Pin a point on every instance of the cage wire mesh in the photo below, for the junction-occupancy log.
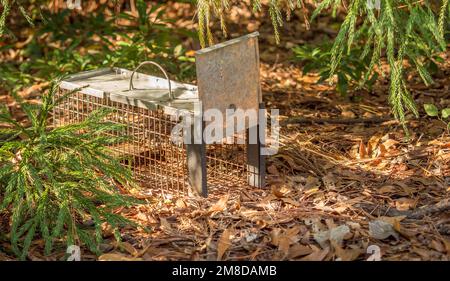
(155, 160)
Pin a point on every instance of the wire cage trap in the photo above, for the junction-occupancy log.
(150, 109)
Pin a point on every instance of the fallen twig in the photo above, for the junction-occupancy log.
(347, 121)
(419, 213)
(439, 207)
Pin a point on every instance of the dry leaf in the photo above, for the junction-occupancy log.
(223, 244)
(329, 180)
(387, 189)
(369, 149)
(407, 189)
(180, 203)
(389, 143)
(283, 244)
(382, 150)
(348, 114)
(129, 248)
(394, 221)
(117, 257)
(341, 208)
(287, 238)
(423, 253)
(298, 250)
(322, 238)
(353, 225)
(275, 236)
(330, 223)
(165, 225)
(146, 218)
(250, 237)
(291, 232)
(312, 182)
(381, 230)
(316, 224)
(190, 53)
(437, 245)
(220, 205)
(347, 254)
(362, 151)
(289, 160)
(107, 230)
(291, 201)
(4, 257)
(404, 204)
(317, 255)
(447, 244)
(280, 192)
(372, 144)
(272, 169)
(335, 235)
(312, 190)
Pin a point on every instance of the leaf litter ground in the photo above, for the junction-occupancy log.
(346, 178)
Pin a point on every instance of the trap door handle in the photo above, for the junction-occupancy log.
(171, 97)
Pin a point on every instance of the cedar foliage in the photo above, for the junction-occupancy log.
(51, 180)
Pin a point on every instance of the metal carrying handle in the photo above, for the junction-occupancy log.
(171, 97)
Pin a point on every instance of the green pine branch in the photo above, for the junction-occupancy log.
(51, 180)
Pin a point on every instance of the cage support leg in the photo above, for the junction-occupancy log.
(196, 162)
(256, 165)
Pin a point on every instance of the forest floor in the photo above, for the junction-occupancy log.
(327, 184)
(346, 177)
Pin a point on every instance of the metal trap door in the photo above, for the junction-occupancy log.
(228, 75)
(228, 81)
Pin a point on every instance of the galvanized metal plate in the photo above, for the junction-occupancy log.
(150, 91)
(79, 81)
(228, 74)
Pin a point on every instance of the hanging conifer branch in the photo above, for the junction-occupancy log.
(405, 30)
